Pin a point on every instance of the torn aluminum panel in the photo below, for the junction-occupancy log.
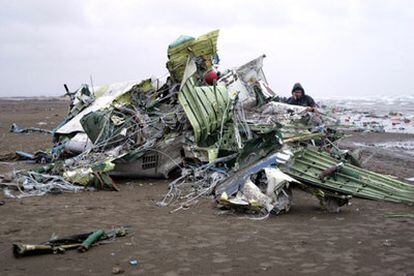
(79, 143)
(105, 95)
(272, 194)
(244, 81)
(252, 71)
(81, 99)
(235, 183)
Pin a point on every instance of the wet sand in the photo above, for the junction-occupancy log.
(200, 240)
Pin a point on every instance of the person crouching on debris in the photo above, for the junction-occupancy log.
(300, 98)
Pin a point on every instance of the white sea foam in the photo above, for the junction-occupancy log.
(391, 114)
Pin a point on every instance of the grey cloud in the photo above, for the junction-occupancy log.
(334, 48)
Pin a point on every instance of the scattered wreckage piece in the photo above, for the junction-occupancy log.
(54, 179)
(14, 128)
(82, 242)
(236, 182)
(41, 157)
(159, 161)
(95, 175)
(399, 215)
(90, 240)
(36, 184)
(248, 83)
(323, 171)
(102, 97)
(263, 187)
(226, 132)
(271, 194)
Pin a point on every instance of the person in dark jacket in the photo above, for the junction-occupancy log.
(300, 98)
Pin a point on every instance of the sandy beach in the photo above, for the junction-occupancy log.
(202, 240)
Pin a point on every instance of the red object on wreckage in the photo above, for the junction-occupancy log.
(210, 77)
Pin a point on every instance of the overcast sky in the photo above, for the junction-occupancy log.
(334, 48)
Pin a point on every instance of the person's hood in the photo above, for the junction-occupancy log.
(298, 86)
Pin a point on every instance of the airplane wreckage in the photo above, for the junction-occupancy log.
(222, 134)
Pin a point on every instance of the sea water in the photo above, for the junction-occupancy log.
(382, 114)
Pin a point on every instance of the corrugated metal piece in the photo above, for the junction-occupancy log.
(205, 46)
(311, 167)
(205, 106)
